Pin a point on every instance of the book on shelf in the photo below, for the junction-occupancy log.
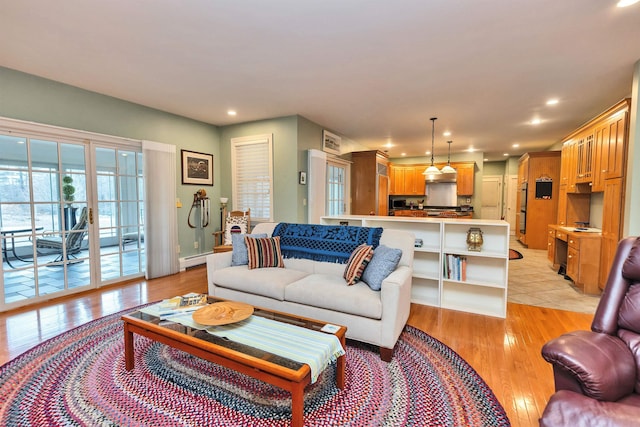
(182, 304)
(455, 267)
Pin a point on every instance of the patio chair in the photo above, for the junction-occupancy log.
(72, 242)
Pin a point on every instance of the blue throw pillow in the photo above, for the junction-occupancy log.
(384, 262)
(239, 255)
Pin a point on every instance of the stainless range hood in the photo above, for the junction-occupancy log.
(441, 177)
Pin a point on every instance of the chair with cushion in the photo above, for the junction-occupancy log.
(72, 242)
(597, 372)
(235, 222)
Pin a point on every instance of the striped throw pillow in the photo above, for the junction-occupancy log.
(358, 261)
(264, 252)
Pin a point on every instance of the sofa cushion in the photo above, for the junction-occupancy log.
(329, 292)
(239, 255)
(384, 262)
(264, 252)
(358, 261)
(268, 282)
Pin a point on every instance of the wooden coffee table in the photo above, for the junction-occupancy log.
(270, 368)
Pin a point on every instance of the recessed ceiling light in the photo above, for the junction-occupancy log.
(536, 121)
(427, 152)
(447, 133)
(403, 154)
(506, 154)
(231, 112)
(625, 3)
(516, 145)
(553, 101)
(471, 149)
(486, 160)
(388, 144)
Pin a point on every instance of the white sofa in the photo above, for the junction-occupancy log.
(317, 290)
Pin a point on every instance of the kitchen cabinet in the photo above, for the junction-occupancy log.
(584, 157)
(612, 203)
(551, 245)
(579, 251)
(414, 181)
(583, 261)
(562, 205)
(484, 290)
(465, 178)
(369, 183)
(610, 132)
(408, 180)
(542, 168)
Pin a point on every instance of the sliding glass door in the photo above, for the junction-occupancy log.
(70, 216)
(120, 212)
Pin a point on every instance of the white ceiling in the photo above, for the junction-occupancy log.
(373, 71)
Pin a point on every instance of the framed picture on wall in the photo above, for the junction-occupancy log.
(331, 142)
(197, 168)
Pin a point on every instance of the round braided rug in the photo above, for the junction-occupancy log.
(78, 378)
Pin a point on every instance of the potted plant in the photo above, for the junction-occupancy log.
(68, 192)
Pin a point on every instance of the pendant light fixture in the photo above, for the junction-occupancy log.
(432, 170)
(448, 168)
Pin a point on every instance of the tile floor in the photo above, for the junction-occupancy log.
(532, 281)
(19, 281)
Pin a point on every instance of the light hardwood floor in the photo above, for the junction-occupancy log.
(505, 352)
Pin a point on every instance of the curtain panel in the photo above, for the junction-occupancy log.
(160, 216)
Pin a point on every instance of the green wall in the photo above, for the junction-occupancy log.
(31, 98)
(285, 161)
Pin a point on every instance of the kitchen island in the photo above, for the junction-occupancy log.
(445, 272)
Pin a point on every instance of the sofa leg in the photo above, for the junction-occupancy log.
(386, 354)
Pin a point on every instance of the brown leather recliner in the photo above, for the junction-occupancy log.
(597, 372)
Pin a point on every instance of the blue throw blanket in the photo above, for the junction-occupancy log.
(332, 243)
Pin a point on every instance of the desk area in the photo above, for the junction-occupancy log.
(578, 250)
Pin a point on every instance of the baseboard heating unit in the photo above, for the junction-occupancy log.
(193, 260)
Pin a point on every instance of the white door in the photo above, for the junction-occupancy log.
(492, 197)
(510, 204)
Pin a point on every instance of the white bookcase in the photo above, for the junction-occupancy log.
(485, 289)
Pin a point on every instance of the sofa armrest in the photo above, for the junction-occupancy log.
(601, 365)
(216, 261)
(567, 408)
(395, 295)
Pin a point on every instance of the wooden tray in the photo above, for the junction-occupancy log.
(222, 313)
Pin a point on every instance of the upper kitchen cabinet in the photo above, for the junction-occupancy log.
(465, 179)
(596, 151)
(369, 183)
(408, 180)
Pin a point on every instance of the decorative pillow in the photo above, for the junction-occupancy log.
(239, 255)
(384, 262)
(358, 260)
(264, 252)
(234, 225)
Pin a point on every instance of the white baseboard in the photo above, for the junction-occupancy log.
(193, 260)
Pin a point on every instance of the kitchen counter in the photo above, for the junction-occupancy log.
(453, 212)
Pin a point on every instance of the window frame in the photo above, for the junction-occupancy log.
(258, 143)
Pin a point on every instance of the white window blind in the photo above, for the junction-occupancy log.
(252, 177)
